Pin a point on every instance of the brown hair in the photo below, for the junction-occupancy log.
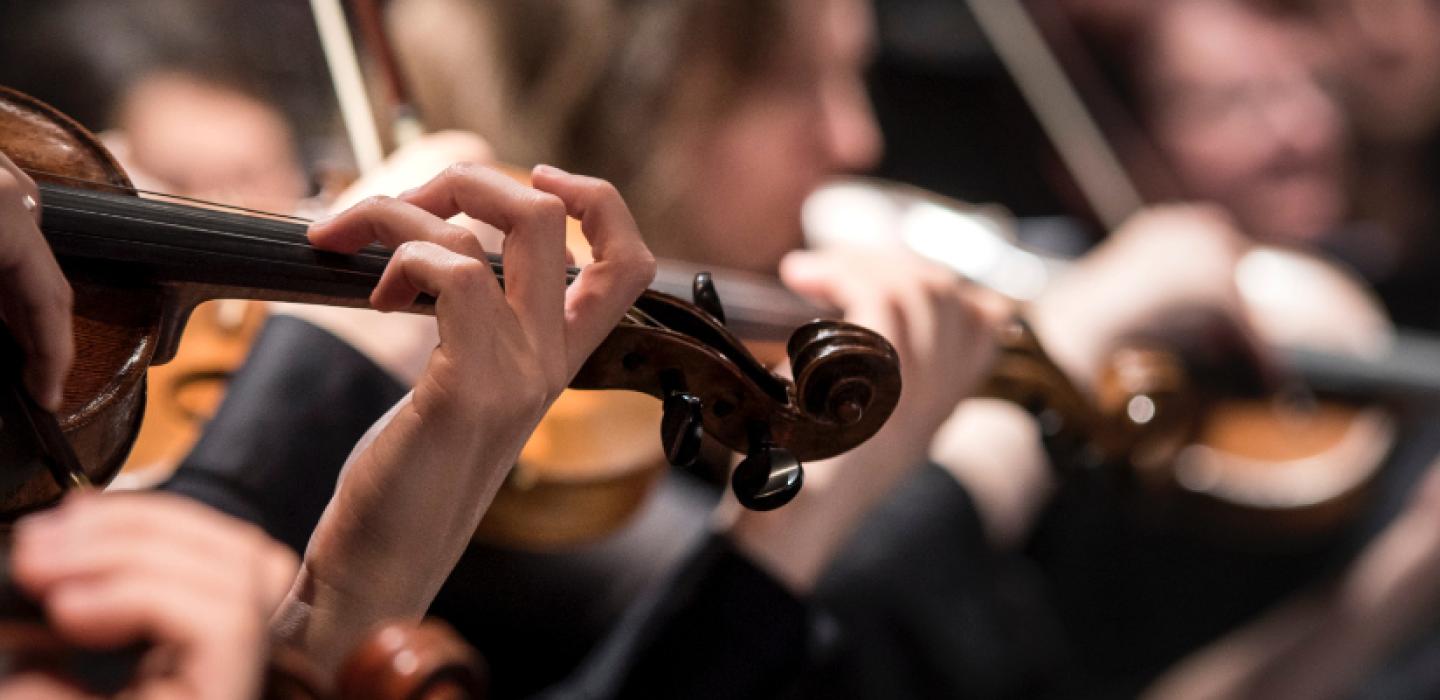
(603, 87)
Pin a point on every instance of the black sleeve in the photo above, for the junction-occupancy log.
(291, 415)
(924, 608)
(721, 628)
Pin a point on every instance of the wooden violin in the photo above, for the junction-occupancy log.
(1202, 447)
(138, 266)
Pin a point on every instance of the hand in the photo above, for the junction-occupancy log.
(416, 488)
(399, 343)
(1164, 260)
(943, 330)
(112, 570)
(35, 299)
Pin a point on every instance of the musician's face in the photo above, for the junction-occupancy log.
(1241, 119)
(1388, 55)
(180, 135)
(805, 119)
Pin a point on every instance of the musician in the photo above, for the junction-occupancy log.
(113, 570)
(1384, 65)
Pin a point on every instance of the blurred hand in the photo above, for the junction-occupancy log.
(943, 330)
(414, 491)
(35, 298)
(1164, 260)
(112, 570)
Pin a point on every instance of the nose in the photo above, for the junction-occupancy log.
(1299, 118)
(851, 137)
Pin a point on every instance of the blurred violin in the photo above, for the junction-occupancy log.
(1204, 440)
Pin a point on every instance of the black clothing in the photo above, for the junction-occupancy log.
(274, 449)
(924, 609)
(716, 627)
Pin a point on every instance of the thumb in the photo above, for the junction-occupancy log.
(814, 276)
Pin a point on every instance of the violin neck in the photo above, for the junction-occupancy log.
(205, 253)
(757, 307)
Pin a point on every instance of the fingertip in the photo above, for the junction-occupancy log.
(44, 389)
(320, 232)
(800, 267)
(333, 239)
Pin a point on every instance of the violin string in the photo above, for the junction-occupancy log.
(634, 315)
(217, 217)
(204, 203)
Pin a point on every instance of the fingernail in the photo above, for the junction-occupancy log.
(549, 170)
(407, 193)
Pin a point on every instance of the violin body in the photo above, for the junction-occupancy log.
(117, 329)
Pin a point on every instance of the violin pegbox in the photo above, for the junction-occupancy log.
(847, 382)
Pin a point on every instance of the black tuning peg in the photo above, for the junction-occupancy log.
(769, 477)
(705, 296)
(682, 426)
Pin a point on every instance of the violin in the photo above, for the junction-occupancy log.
(139, 266)
(1191, 445)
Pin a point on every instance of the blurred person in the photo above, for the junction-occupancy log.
(186, 134)
(1386, 66)
(1243, 121)
(1228, 99)
(756, 102)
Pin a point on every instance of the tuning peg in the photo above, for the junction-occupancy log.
(705, 296)
(681, 428)
(769, 477)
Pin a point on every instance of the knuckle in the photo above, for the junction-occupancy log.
(468, 274)
(545, 208)
(459, 172)
(602, 190)
(642, 270)
(409, 250)
(375, 203)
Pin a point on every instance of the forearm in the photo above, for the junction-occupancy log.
(993, 448)
(403, 513)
